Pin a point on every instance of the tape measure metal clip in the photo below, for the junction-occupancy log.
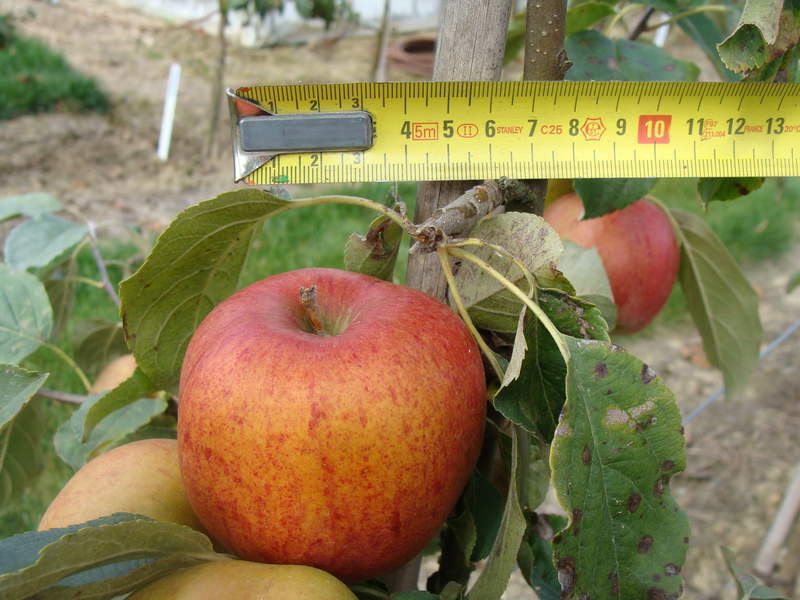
(259, 137)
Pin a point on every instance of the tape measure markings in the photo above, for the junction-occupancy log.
(572, 129)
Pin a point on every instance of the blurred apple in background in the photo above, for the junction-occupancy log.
(638, 249)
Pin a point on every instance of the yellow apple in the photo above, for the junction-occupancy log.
(243, 580)
(140, 477)
(117, 371)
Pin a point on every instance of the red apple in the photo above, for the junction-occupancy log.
(638, 250)
(343, 448)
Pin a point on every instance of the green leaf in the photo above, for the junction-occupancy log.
(515, 38)
(535, 557)
(374, 254)
(137, 386)
(415, 595)
(21, 425)
(793, 282)
(532, 391)
(705, 33)
(60, 287)
(36, 242)
(747, 48)
(585, 270)
(747, 586)
(110, 431)
(26, 318)
(485, 505)
(99, 559)
(723, 304)
(493, 580)
(587, 14)
(33, 205)
(616, 447)
(98, 341)
(195, 264)
(727, 188)
(596, 57)
(602, 196)
(529, 239)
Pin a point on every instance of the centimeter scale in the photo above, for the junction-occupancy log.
(413, 131)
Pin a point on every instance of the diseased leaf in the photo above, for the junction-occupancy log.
(529, 239)
(111, 430)
(747, 48)
(585, 270)
(34, 204)
(596, 57)
(747, 586)
(26, 318)
(36, 242)
(129, 391)
(493, 580)
(586, 14)
(723, 304)
(602, 196)
(727, 188)
(616, 447)
(98, 341)
(574, 316)
(21, 425)
(375, 253)
(195, 264)
(99, 559)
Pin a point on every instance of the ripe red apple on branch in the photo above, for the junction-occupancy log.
(639, 252)
(336, 430)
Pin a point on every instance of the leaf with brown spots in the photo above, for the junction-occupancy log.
(629, 526)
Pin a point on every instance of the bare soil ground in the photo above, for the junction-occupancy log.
(741, 452)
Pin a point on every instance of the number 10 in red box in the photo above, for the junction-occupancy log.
(654, 129)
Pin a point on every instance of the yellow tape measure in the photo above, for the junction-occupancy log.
(412, 131)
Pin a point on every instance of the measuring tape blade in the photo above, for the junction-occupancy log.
(439, 131)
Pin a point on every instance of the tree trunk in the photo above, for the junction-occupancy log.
(470, 46)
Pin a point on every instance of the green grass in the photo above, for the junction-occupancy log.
(34, 78)
(755, 228)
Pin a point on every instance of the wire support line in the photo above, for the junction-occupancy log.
(765, 352)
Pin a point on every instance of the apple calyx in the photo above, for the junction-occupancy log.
(308, 298)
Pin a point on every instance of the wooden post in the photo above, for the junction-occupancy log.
(470, 46)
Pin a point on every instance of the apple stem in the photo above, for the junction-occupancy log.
(308, 298)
